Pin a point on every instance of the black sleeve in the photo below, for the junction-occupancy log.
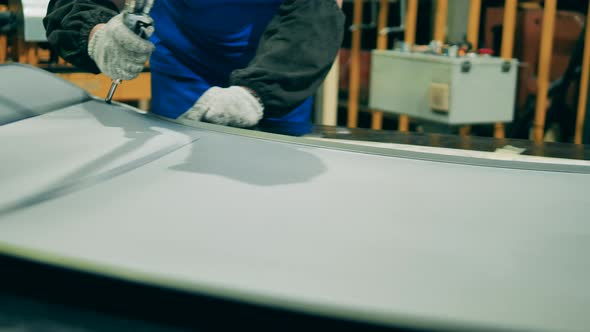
(68, 24)
(295, 54)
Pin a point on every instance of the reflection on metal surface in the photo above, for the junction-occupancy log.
(81, 180)
(16, 102)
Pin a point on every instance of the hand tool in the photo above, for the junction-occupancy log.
(137, 18)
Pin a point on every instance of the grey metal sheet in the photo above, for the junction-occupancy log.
(26, 92)
(318, 229)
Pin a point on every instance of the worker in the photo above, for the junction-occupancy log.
(230, 62)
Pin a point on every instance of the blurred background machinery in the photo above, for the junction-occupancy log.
(551, 86)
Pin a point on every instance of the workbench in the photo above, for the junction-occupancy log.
(112, 219)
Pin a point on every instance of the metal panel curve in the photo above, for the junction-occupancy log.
(296, 224)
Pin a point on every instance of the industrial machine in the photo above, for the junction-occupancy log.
(444, 89)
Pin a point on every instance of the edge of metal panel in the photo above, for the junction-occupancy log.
(389, 320)
(394, 152)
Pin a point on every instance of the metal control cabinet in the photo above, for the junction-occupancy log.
(442, 89)
(30, 18)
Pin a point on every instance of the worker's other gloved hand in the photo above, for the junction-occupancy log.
(118, 52)
(234, 106)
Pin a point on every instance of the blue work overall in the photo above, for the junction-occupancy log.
(199, 43)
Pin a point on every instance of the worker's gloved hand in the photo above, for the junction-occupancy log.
(118, 52)
(234, 106)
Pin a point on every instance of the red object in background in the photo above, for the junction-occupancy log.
(365, 71)
(486, 51)
(527, 43)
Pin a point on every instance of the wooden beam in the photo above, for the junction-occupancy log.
(509, 29)
(382, 37)
(409, 39)
(440, 23)
(98, 85)
(32, 56)
(473, 38)
(465, 131)
(583, 102)
(404, 123)
(508, 32)
(473, 23)
(411, 22)
(355, 65)
(377, 116)
(544, 69)
(21, 50)
(3, 40)
(3, 48)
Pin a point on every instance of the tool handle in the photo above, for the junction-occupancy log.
(112, 90)
(140, 24)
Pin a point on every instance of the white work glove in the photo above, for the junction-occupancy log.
(118, 52)
(234, 106)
